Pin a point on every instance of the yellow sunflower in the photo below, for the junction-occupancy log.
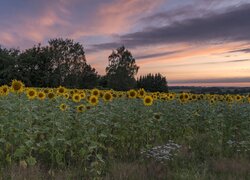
(93, 100)
(66, 95)
(31, 93)
(41, 95)
(76, 97)
(83, 95)
(17, 86)
(141, 92)
(80, 108)
(95, 92)
(148, 100)
(4, 90)
(238, 97)
(61, 90)
(107, 96)
(51, 95)
(63, 107)
(132, 93)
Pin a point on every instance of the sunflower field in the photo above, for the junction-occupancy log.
(60, 128)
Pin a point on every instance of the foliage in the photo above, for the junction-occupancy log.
(68, 129)
(153, 83)
(61, 62)
(121, 70)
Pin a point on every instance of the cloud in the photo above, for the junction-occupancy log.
(245, 50)
(156, 55)
(115, 16)
(217, 62)
(230, 26)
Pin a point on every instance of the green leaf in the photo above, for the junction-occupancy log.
(31, 161)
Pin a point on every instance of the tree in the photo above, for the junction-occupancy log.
(8, 59)
(121, 70)
(69, 63)
(61, 62)
(153, 83)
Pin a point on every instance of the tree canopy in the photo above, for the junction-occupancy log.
(121, 70)
(61, 62)
(153, 82)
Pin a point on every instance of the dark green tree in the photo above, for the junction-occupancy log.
(121, 70)
(8, 59)
(61, 62)
(153, 83)
(69, 66)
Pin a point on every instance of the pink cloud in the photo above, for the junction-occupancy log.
(117, 17)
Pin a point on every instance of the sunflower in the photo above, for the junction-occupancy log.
(194, 97)
(4, 90)
(80, 108)
(83, 95)
(148, 100)
(238, 97)
(63, 107)
(141, 92)
(229, 99)
(46, 91)
(95, 92)
(184, 97)
(157, 116)
(107, 96)
(171, 97)
(93, 100)
(66, 95)
(41, 95)
(76, 97)
(17, 86)
(61, 90)
(51, 95)
(132, 93)
(212, 101)
(31, 93)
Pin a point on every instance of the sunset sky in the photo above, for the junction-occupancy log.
(191, 42)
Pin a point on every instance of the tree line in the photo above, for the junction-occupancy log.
(63, 62)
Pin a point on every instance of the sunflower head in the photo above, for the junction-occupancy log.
(93, 100)
(61, 90)
(80, 108)
(107, 96)
(31, 93)
(141, 92)
(17, 86)
(76, 97)
(238, 97)
(148, 100)
(4, 90)
(51, 95)
(41, 95)
(132, 93)
(83, 95)
(63, 107)
(95, 92)
(66, 95)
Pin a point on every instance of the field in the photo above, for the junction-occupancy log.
(104, 134)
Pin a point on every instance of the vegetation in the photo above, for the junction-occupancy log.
(153, 83)
(80, 133)
(121, 70)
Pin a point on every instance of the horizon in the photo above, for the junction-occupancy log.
(192, 43)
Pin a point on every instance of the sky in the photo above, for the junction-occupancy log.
(191, 42)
